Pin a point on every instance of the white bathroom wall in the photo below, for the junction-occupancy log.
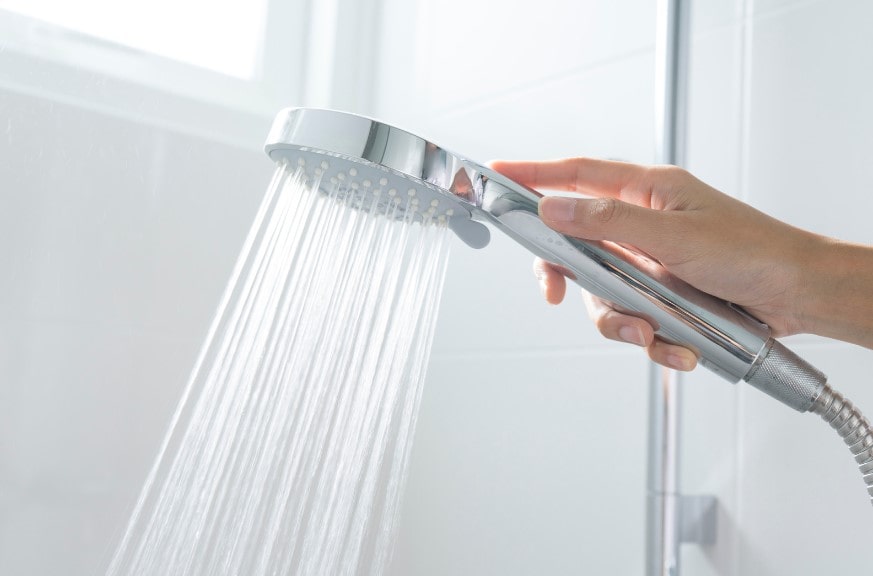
(117, 240)
(122, 209)
(780, 116)
(530, 452)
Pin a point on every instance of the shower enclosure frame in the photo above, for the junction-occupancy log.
(671, 517)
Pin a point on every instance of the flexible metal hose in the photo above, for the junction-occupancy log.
(853, 428)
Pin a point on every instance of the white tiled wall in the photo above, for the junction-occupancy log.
(810, 139)
(793, 81)
(527, 464)
(116, 241)
(440, 57)
(778, 117)
(530, 454)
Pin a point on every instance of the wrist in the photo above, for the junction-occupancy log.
(836, 288)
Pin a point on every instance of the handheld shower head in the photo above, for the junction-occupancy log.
(383, 164)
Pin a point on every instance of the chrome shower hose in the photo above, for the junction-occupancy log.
(853, 428)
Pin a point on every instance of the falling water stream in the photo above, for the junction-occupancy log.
(289, 449)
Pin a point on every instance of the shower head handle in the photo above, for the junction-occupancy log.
(727, 340)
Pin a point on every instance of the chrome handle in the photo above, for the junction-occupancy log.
(726, 339)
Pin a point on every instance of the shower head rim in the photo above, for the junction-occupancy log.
(361, 138)
(453, 180)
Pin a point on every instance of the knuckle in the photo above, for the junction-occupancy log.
(602, 323)
(677, 176)
(604, 210)
(669, 173)
(595, 305)
(667, 170)
(607, 321)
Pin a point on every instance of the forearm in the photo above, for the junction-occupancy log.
(838, 292)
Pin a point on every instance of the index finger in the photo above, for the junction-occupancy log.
(584, 175)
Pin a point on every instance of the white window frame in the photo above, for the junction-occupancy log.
(46, 60)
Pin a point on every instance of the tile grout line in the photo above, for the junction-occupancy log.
(588, 352)
(474, 104)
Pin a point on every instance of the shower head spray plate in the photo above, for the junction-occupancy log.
(404, 175)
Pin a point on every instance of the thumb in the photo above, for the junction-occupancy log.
(607, 219)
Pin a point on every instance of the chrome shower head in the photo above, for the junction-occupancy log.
(378, 163)
(381, 163)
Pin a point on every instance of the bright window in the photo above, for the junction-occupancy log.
(217, 68)
(225, 36)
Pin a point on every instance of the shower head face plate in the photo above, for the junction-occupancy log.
(363, 184)
(404, 175)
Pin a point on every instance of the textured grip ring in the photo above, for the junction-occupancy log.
(787, 377)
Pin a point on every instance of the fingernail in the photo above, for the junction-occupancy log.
(679, 362)
(558, 209)
(631, 335)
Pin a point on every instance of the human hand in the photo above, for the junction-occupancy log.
(708, 239)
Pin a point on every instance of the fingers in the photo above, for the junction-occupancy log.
(617, 326)
(623, 328)
(584, 175)
(609, 219)
(672, 356)
(552, 282)
(622, 210)
(613, 324)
